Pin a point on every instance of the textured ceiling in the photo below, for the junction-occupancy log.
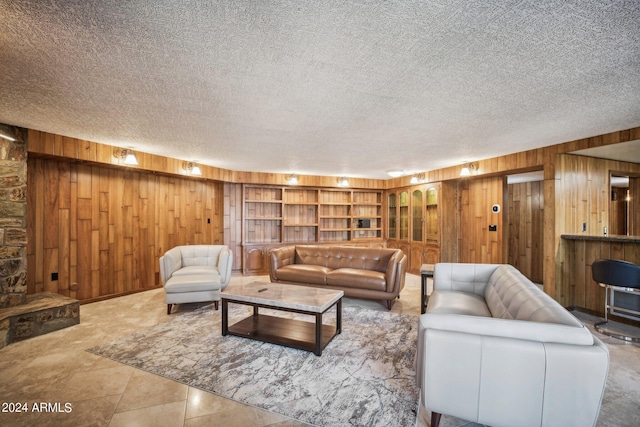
(347, 87)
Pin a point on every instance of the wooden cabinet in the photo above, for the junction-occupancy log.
(414, 224)
(278, 215)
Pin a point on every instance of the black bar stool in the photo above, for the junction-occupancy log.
(622, 277)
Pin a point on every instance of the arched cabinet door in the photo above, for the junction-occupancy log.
(417, 219)
(404, 216)
(256, 260)
(431, 217)
(392, 217)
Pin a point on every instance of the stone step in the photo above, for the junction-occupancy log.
(42, 313)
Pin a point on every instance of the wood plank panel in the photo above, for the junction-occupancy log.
(476, 243)
(105, 228)
(524, 229)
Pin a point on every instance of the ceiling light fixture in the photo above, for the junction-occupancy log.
(127, 155)
(191, 168)
(394, 173)
(468, 169)
(343, 182)
(5, 136)
(292, 179)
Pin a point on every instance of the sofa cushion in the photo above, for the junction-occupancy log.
(200, 254)
(193, 283)
(335, 257)
(196, 269)
(510, 295)
(356, 278)
(452, 302)
(311, 274)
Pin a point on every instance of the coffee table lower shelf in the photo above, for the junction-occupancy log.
(308, 336)
(287, 332)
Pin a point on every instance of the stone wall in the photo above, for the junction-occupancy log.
(13, 222)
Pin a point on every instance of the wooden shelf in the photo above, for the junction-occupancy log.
(282, 214)
(265, 218)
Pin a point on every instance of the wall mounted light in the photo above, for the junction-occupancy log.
(343, 182)
(127, 155)
(5, 136)
(417, 178)
(292, 179)
(468, 169)
(191, 168)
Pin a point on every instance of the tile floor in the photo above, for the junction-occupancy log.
(55, 370)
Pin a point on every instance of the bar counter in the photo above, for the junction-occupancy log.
(607, 238)
(578, 252)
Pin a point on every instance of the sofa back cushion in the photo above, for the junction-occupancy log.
(510, 295)
(198, 255)
(335, 257)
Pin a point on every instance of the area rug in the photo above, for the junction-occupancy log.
(365, 376)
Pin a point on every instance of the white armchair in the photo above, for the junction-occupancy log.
(195, 273)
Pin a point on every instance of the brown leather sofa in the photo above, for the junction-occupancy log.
(370, 273)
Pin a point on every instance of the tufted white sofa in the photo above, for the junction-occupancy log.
(195, 273)
(494, 349)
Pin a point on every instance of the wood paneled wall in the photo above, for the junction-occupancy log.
(476, 243)
(45, 144)
(582, 195)
(48, 144)
(525, 215)
(103, 229)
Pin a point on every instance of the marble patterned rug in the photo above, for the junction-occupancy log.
(365, 376)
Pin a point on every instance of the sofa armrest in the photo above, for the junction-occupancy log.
(169, 263)
(506, 381)
(396, 271)
(279, 258)
(225, 265)
(508, 328)
(163, 275)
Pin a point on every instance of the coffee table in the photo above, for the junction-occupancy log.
(309, 336)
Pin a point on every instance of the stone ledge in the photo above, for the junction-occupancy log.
(43, 313)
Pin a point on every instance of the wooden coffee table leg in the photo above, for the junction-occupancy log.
(339, 316)
(318, 351)
(225, 317)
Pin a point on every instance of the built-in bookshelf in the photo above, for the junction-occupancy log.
(263, 209)
(310, 215)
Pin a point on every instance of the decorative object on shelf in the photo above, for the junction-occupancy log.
(343, 182)
(191, 168)
(292, 179)
(394, 173)
(468, 169)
